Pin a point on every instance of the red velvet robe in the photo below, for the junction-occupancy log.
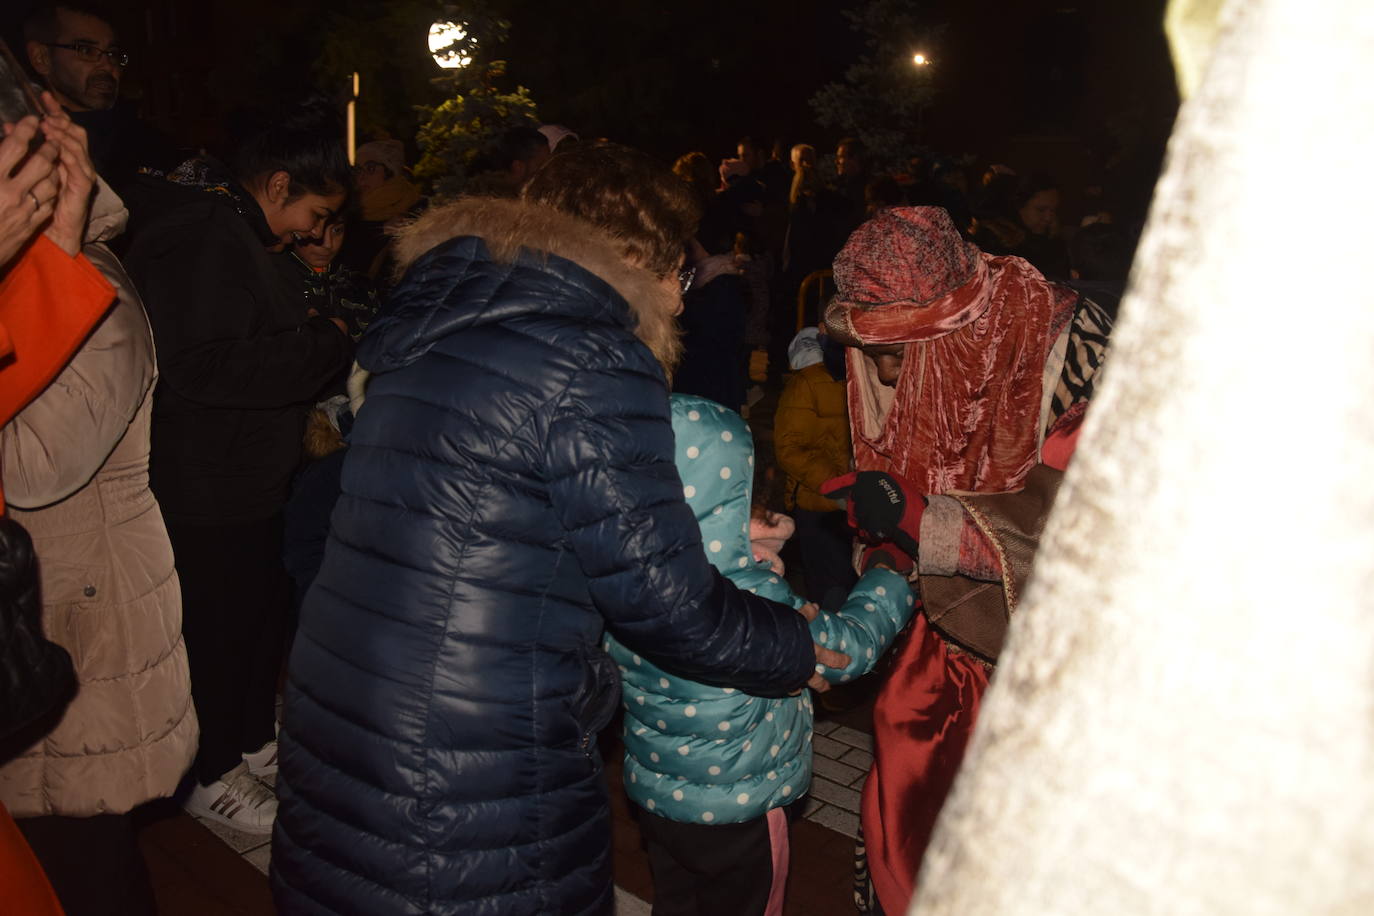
(965, 415)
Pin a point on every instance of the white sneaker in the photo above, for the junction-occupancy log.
(262, 763)
(237, 800)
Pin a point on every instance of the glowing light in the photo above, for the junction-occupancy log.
(353, 123)
(450, 45)
(920, 60)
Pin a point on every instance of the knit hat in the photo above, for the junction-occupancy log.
(804, 350)
(912, 257)
(390, 153)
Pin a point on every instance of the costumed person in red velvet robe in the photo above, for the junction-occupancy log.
(960, 365)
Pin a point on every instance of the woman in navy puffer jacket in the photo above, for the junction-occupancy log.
(509, 492)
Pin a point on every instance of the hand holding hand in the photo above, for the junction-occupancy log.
(827, 657)
(830, 659)
(28, 196)
(882, 507)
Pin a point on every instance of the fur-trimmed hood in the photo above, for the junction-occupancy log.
(443, 290)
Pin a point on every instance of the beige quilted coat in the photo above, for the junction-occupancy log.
(76, 475)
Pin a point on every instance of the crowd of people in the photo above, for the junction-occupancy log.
(352, 516)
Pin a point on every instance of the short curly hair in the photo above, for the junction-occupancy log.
(628, 194)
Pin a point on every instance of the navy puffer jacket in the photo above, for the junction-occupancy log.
(508, 493)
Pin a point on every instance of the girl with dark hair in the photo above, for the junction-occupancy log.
(241, 362)
(1022, 219)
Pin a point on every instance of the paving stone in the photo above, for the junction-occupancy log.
(627, 904)
(812, 806)
(236, 840)
(853, 738)
(836, 771)
(837, 820)
(857, 758)
(858, 784)
(829, 747)
(825, 728)
(260, 857)
(835, 794)
(194, 872)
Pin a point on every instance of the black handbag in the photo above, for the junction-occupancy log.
(36, 677)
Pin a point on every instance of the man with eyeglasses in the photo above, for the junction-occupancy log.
(73, 48)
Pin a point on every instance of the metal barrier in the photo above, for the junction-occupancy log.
(819, 284)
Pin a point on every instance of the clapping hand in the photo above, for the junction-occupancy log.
(28, 192)
(76, 178)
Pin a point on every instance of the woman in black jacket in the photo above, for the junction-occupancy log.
(240, 362)
(509, 492)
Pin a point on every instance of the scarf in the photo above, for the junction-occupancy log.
(965, 411)
(212, 177)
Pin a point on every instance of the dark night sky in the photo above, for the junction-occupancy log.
(1081, 88)
(1043, 67)
(1073, 85)
(694, 75)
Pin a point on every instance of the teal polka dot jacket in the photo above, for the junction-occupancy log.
(706, 755)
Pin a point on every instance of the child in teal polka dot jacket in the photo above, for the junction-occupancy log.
(713, 769)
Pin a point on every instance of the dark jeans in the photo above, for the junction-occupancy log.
(93, 863)
(235, 595)
(824, 542)
(709, 869)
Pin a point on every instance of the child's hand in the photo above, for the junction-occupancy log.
(768, 532)
(810, 610)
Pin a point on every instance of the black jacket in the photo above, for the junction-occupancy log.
(36, 677)
(239, 360)
(508, 493)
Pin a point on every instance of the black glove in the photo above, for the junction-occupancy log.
(882, 507)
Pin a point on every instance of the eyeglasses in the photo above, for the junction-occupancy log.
(91, 53)
(685, 278)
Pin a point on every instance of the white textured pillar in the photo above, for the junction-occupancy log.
(1183, 721)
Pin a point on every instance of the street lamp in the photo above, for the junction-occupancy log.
(353, 122)
(921, 62)
(450, 44)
